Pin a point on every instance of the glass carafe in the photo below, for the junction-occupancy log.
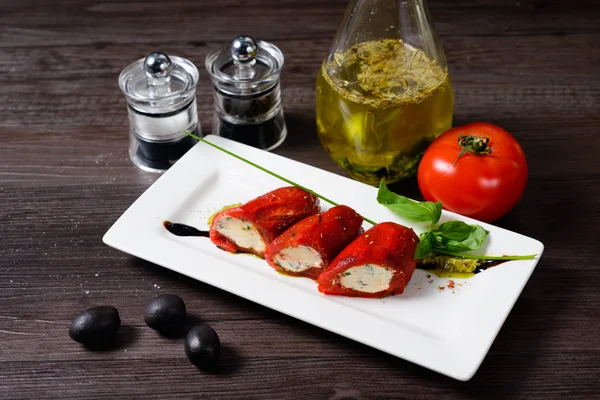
(383, 92)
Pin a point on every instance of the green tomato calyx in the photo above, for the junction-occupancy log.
(478, 145)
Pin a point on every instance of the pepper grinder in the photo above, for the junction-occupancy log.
(247, 97)
(161, 101)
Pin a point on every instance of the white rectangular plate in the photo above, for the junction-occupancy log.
(426, 325)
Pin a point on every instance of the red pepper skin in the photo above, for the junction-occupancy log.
(271, 214)
(326, 233)
(387, 244)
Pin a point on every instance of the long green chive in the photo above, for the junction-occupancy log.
(269, 172)
(484, 257)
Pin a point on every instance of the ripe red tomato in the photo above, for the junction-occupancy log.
(485, 182)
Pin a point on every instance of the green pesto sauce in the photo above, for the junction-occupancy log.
(445, 266)
(212, 216)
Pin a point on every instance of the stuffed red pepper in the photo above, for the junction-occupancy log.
(378, 263)
(308, 247)
(250, 227)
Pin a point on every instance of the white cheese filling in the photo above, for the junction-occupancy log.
(298, 259)
(367, 278)
(241, 232)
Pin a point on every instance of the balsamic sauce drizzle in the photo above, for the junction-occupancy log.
(184, 230)
(488, 264)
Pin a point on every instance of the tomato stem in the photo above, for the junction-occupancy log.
(477, 145)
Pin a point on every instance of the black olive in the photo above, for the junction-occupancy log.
(202, 346)
(166, 314)
(95, 326)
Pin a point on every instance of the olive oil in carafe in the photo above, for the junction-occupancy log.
(379, 105)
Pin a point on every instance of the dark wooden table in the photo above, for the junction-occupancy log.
(532, 67)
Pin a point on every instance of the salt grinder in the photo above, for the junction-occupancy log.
(247, 100)
(161, 102)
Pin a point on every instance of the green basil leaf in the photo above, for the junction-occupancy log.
(416, 211)
(434, 210)
(437, 213)
(455, 230)
(424, 247)
(472, 242)
(437, 240)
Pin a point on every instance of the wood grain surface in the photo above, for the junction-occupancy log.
(532, 67)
